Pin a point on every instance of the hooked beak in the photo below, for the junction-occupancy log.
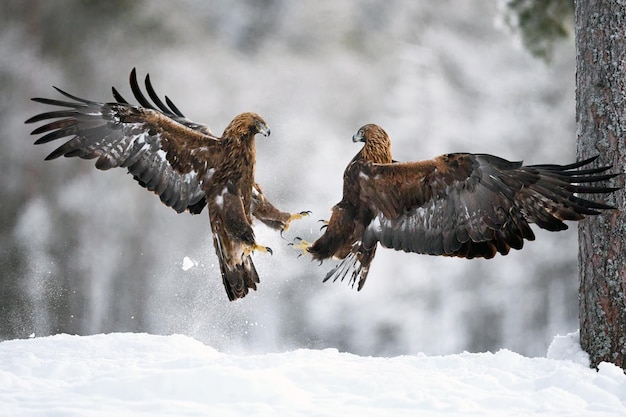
(358, 136)
(264, 129)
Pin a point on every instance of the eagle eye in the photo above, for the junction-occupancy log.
(359, 136)
(260, 127)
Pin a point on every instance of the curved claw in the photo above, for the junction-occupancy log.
(248, 250)
(325, 225)
(294, 216)
(296, 239)
(301, 245)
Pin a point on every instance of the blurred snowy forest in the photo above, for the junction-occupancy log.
(84, 251)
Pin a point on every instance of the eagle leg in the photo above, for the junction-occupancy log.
(294, 216)
(301, 245)
(248, 249)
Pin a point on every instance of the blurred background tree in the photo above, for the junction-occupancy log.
(540, 24)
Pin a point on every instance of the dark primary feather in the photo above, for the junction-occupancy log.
(123, 135)
(488, 211)
(463, 205)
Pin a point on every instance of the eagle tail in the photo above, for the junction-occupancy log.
(238, 278)
(355, 264)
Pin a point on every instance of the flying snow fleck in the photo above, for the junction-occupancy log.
(188, 263)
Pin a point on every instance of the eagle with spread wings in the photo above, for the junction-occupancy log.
(182, 162)
(460, 204)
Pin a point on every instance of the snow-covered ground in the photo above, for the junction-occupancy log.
(130, 374)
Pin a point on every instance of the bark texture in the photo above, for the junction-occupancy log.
(601, 129)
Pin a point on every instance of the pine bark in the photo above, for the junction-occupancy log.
(601, 129)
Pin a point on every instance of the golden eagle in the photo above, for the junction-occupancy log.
(182, 162)
(459, 204)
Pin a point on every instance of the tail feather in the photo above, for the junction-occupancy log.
(355, 264)
(239, 278)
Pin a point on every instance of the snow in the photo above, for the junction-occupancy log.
(188, 263)
(138, 374)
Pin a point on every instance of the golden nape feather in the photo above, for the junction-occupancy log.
(463, 205)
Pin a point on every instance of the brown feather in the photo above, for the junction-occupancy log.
(181, 161)
(463, 205)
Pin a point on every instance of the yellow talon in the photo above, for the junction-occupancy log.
(249, 249)
(295, 216)
(302, 245)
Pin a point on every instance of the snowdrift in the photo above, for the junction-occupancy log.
(146, 375)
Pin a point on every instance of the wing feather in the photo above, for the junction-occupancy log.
(473, 205)
(134, 86)
(118, 97)
(464, 205)
(153, 95)
(170, 111)
(165, 152)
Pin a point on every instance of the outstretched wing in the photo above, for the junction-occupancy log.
(473, 205)
(164, 151)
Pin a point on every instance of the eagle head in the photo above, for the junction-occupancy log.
(377, 147)
(370, 132)
(247, 124)
(256, 124)
(359, 136)
(260, 126)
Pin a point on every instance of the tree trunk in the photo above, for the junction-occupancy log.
(601, 129)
